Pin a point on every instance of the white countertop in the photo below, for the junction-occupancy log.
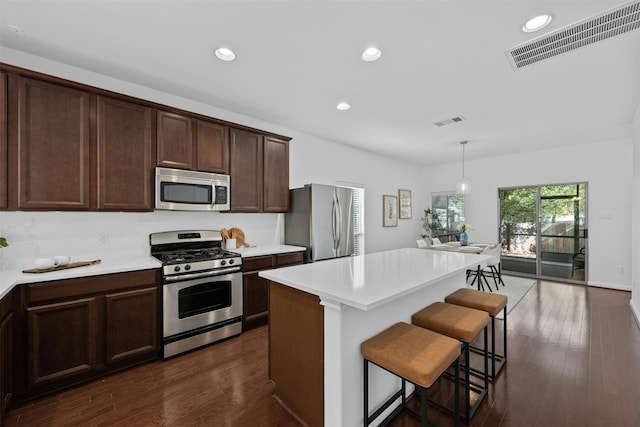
(368, 281)
(267, 250)
(109, 265)
(11, 278)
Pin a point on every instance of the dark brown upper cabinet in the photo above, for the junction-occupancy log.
(259, 169)
(246, 171)
(68, 146)
(175, 140)
(53, 146)
(212, 147)
(276, 175)
(125, 146)
(185, 142)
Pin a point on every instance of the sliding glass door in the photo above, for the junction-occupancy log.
(544, 231)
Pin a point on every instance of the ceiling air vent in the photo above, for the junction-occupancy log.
(599, 27)
(449, 121)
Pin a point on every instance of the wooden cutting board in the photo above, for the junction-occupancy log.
(63, 267)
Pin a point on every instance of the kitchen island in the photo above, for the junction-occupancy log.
(321, 312)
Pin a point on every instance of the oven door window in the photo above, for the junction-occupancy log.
(204, 298)
(175, 192)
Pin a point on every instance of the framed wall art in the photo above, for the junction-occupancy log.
(404, 200)
(389, 211)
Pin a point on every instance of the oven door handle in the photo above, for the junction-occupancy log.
(218, 272)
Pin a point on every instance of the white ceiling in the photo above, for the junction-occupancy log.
(297, 59)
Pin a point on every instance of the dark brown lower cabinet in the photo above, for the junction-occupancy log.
(80, 329)
(6, 355)
(62, 340)
(130, 330)
(256, 289)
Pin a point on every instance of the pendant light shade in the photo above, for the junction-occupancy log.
(463, 186)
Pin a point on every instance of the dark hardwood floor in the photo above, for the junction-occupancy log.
(574, 360)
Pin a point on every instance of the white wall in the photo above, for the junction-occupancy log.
(606, 167)
(635, 292)
(311, 160)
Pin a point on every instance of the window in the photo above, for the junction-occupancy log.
(358, 216)
(449, 208)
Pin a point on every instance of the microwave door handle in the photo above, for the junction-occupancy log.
(213, 194)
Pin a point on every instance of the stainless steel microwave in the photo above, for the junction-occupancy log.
(183, 190)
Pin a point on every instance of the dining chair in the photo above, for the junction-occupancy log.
(491, 267)
(494, 264)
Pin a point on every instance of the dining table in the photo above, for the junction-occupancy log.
(471, 248)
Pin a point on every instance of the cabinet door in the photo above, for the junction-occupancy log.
(175, 140)
(4, 177)
(255, 301)
(53, 146)
(124, 155)
(62, 340)
(276, 175)
(246, 171)
(6, 355)
(131, 323)
(212, 147)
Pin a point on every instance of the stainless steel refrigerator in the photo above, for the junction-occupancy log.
(320, 218)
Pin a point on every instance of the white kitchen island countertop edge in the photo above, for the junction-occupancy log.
(368, 281)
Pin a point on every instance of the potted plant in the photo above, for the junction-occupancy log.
(3, 242)
(430, 223)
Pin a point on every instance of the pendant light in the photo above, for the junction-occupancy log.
(463, 186)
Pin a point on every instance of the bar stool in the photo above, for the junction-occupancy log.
(463, 324)
(492, 304)
(415, 355)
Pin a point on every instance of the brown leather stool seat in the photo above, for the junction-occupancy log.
(492, 304)
(413, 354)
(463, 324)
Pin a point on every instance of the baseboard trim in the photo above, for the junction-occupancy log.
(610, 286)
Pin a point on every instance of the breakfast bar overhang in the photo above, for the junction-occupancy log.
(320, 313)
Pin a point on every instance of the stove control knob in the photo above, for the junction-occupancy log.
(223, 262)
(187, 267)
(176, 268)
(231, 261)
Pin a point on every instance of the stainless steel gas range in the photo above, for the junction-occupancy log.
(202, 289)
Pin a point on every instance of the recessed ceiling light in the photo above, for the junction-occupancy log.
(225, 54)
(371, 54)
(342, 106)
(537, 23)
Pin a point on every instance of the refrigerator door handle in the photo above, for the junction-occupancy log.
(338, 224)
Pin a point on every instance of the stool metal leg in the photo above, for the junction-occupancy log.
(456, 393)
(467, 385)
(424, 397)
(493, 347)
(366, 392)
(504, 326)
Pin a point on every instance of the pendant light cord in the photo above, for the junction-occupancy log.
(463, 143)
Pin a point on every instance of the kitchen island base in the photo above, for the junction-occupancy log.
(314, 350)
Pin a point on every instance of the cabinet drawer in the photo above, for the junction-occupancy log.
(90, 285)
(257, 263)
(289, 259)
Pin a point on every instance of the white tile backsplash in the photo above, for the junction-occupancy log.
(93, 235)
